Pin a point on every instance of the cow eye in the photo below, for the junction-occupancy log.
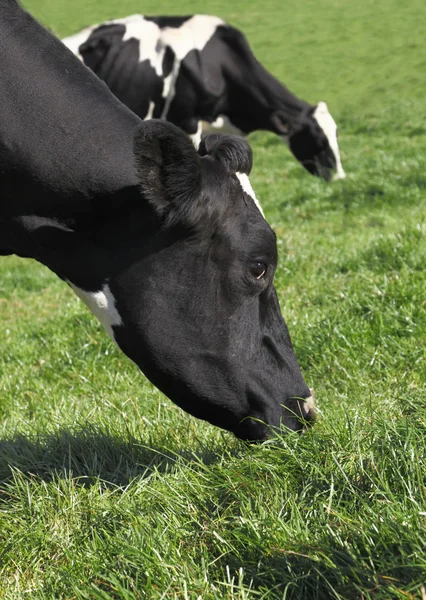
(258, 270)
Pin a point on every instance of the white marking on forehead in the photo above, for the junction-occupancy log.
(246, 185)
(102, 305)
(329, 127)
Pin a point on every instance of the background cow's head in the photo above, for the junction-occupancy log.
(312, 138)
(181, 276)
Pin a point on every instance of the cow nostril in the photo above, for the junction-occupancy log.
(309, 410)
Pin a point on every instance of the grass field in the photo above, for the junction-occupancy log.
(107, 490)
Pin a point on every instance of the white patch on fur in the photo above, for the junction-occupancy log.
(329, 127)
(169, 87)
(73, 42)
(102, 305)
(148, 35)
(150, 112)
(222, 124)
(196, 137)
(246, 185)
(193, 34)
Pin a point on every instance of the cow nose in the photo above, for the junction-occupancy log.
(302, 411)
(308, 407)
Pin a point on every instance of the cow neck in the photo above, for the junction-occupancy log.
(273, 96)
(262, 93)
(65, 140)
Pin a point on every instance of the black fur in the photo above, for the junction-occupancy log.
(171, 172)
(110, 203)
(232, 152)
(169, 169)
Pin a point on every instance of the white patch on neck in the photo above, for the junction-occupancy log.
(329, 127)
(102, 305)
(246, 185)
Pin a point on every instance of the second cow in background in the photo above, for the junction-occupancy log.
(195, 69)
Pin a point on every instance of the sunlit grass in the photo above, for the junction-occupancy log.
(108, 490)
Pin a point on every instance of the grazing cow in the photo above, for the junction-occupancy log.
(197, 68)
(166, 246)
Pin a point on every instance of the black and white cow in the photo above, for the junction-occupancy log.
(166, 246)
(198, 68)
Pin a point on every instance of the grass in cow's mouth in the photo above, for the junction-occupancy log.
(109, 491)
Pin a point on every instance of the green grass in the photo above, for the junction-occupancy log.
(108, 491)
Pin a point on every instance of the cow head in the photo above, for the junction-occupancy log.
(182, 275)
(312, 138)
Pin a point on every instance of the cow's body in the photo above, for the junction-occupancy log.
(197, 69)
(166, 247)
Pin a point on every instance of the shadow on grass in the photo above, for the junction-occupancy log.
(90, 454)
(332, 571)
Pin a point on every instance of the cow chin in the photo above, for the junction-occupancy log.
(318, 170)
(323, 166)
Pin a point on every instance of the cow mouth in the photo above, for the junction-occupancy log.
(320, 167)
(299, 415)
(302, 412)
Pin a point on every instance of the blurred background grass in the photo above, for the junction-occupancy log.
(361, 57)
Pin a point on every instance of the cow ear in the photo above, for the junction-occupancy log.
(168, 169)
(280, 122)
(232, 151)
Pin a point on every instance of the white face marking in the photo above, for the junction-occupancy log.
(329, 127)
(246, 185)
(102, 305)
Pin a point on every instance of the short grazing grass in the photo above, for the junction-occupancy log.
(108, 491)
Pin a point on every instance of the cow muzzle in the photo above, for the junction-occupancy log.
(300, 413)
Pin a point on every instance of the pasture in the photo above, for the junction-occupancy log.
(109, 491)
